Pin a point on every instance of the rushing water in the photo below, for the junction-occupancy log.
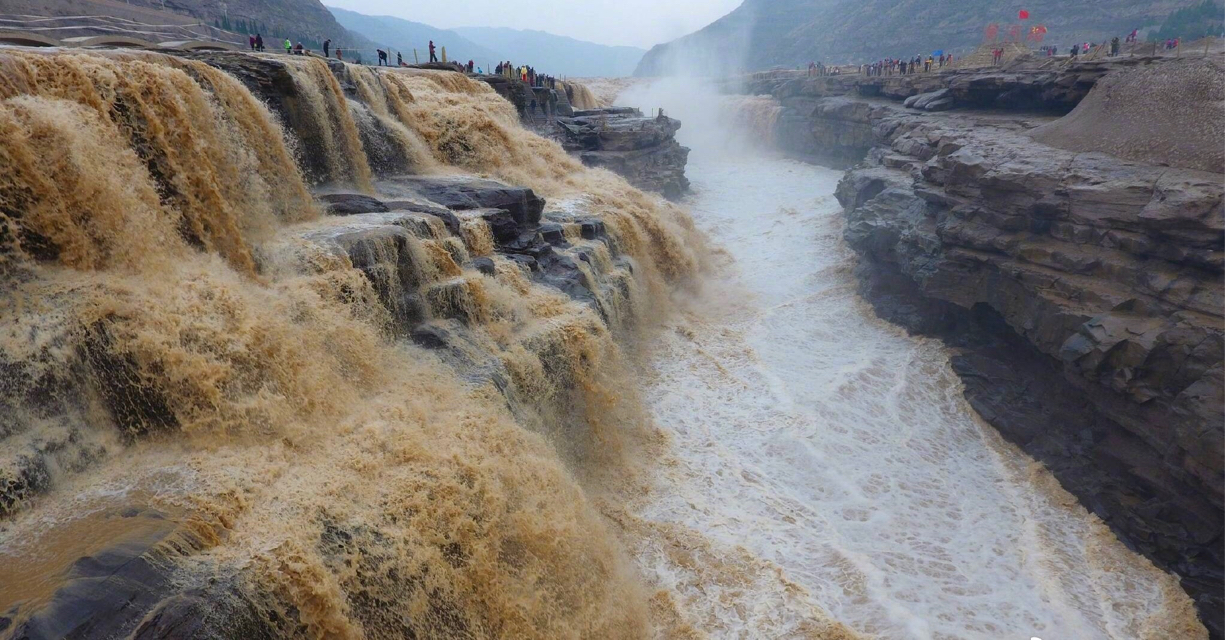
(197, 372)
(838, 452)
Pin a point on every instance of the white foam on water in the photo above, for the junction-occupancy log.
(829, 443)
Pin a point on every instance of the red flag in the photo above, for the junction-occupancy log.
(1024, 15)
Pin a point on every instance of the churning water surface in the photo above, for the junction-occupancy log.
(840, 454)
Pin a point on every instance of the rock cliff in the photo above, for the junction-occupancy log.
(643, 150)
(1081, 292)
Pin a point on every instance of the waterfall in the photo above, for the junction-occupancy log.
(202, 370)
(580, 96)
(324, 100)
(755, 116)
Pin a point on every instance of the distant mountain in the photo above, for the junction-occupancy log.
(404, 36)
(305, 21)
(557, 55)
(761, 34)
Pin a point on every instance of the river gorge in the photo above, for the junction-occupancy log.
(305, 349)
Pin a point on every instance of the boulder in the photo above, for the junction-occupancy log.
(347, 204)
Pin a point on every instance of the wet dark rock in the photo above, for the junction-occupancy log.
(463, 194)
(109, 593)
(553, 233)
(385, 154)
(592, 229)
(485, 266)
(378, 246)
(513, 90)
(502, 224)
(527, 262)
(136, 407)
(562, 271)
(378, 243)
(217, 611)
(431, 336)
(347, 204)
(642, 150)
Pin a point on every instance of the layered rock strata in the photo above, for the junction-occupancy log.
(643, 150)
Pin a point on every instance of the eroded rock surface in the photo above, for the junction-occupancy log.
(643, 150)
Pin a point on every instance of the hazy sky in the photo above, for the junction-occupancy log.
(640, 23)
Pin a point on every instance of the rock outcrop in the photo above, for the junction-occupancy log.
(1081, 292)
(643, 150)
(1171, 114)
(514, 91)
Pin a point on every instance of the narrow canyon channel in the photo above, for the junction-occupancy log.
(829, 445)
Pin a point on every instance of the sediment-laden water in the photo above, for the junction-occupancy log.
(836, 455)
(212, 417)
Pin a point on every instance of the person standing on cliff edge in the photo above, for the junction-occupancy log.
(327, 44)
(433, 58)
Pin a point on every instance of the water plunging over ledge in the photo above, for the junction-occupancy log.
(228, 412)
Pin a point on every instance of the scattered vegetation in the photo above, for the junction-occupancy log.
(1193, 23)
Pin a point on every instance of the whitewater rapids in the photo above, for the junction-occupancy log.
(835, 456)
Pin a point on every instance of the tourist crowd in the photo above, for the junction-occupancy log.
(939, 60)
(892, 66)
(525, 73)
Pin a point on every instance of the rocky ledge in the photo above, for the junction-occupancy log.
(1081, 292)
(642, 149)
